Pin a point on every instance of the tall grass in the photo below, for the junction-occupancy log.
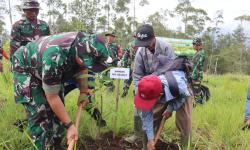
(216, 124)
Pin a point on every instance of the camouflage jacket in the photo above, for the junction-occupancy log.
(114, 52)
(51, 59)
(198, 61)
(128, 57)
(23, 31)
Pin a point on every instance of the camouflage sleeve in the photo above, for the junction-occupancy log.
(44, 28)
(199, 67)
(51, 70)
(47, 30)
(125, 58)
(15, 39)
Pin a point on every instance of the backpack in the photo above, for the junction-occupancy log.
(181, 63)
(165, 66)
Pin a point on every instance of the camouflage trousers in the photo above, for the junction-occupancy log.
(43, 125)
(91, 106)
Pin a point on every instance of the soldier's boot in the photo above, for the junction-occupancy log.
(57, 144)
(137, 130)
(100, 122)
(185, 142)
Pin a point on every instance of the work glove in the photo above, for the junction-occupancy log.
(109, 60)
(119, 63)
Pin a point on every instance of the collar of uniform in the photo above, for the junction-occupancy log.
(27, 21)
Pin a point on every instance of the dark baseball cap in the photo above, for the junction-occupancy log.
(144, 35)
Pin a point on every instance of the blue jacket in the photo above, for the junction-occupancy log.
(174, 103)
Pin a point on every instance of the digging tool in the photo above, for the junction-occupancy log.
(158, 134)
(78, 116)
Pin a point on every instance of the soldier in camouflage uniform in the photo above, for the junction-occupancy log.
(197, 75)
(113, 48)
(91, 106)
(29, 28)
(40, 69)
(115, 53)
(127, 62)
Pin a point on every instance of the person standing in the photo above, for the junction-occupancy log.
(29, 28)
(115, 53)
(197, 75)
(113, 48)
(150, 50)
(128, 62)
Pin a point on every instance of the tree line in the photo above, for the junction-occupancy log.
(226, 52)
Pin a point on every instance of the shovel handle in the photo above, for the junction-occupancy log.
(158, 134)
(78, 117)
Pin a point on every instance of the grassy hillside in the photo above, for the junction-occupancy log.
(216, 124)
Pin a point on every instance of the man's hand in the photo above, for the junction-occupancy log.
(72, 134)
(151, 145)
(247, 124)
(83, 98)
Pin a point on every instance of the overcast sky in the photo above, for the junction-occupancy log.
(231, 9)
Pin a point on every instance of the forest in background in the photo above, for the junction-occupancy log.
(226, 52)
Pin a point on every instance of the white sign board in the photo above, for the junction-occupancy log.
(119, 73)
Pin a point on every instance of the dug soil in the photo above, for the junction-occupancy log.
(106, 142)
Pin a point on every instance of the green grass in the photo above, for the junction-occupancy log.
(216, 124)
